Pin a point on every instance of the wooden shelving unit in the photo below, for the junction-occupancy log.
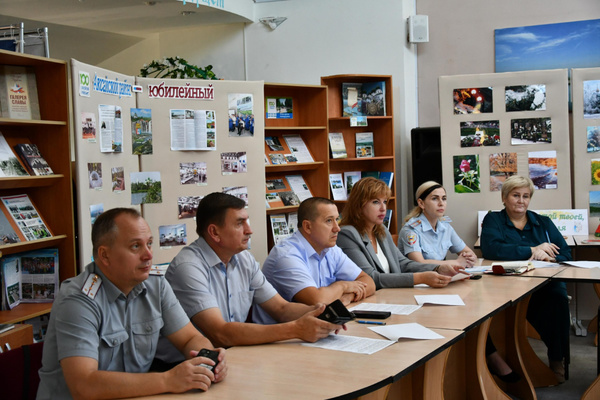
(309, 120)
(52, 195)
(381, 126)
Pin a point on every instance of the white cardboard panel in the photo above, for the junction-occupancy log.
(87, 152)
(462, 207)
(582, 176)
(167, 161)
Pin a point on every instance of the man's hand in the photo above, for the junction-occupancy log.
(545, 252)
(310, 328)
(357, 288)
(190, 375)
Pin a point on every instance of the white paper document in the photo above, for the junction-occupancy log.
(545, 264)
(407, 331)
(398, 309)
(352, 344)
(584, 264)
(441, 299)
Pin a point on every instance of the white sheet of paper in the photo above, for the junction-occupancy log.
(460, 276)
(352, 344)
(398, 309)
(442, 299)
(479, 269)
(408, 331)
(584, 264)
(545, 264)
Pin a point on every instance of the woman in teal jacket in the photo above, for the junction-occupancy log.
(515, 233)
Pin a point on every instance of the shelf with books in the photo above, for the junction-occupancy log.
(352, 96)
(50, 194)
(296, 140)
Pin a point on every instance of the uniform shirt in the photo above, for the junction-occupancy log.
(418, 235)
(201, 281)
(294, 265)
(120, 332)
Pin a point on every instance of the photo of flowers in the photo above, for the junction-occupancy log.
(595, 171)
(466, 174)
(530, 131)
(543, 169)
(479, 133)
(595, 204)
(593, 139)
(525, 98)
(473, 100)
(502, 166)
(591, 99)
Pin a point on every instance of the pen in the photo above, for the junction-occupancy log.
(370, 322)
(548, 237)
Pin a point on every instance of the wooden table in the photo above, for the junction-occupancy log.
(292, 371)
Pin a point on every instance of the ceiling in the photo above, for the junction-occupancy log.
(128, 17)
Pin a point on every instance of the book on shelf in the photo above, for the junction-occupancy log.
(337, 187)
(9, 163)
(350, 178)
(279, 227)
(18, 93)
(32, 159)
(337, 145)
(387, 177)
(364, 145)
(24, 218)
(367, 174)
(273, 143)
(298, 148)
(30, 277)
(277, 158)
(363, 99)
(388, 218)
(299, 186)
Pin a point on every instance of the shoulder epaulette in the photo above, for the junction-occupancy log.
(91, 285)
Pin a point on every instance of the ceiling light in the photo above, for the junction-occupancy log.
(272, 22)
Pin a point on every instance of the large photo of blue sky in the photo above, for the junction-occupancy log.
(564, 45)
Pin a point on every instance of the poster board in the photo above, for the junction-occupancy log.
(585, 84)
(236, 161)
(463, 206)
(94, 188)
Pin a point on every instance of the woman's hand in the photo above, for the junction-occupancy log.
(545, 252)
(467, 259)
(431, 278)
(450, 269)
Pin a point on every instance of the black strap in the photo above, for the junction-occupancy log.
(26, 370)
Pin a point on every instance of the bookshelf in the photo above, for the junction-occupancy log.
(383, 135)
(309, 120)
(52, 194)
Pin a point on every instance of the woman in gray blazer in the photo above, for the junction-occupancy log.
(368, 243)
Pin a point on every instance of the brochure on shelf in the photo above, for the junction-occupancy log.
(387, 177)
(337, 145)
(279, 227)
(337, 187)
(9, 163)
(350, 178)
(298, 148)
(24, 217)
(32, 159)
(364, 144)
(299, 186)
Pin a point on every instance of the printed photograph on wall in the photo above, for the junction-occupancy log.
(595, 203)
(118, 179)
(543, 169)
(234, 163)
(593, 139)
(549, 46)
(141, 131)
(146, 187)
(187, 206)
(473, 100)
(193, 173)
(591, 99)
(466, 174)
(95, 211)
(172, 235)
(595, 168)
(530, 131)
(241, 114)
(502, 166)
(88, 126)
(525, 98)
(95, 175)
(241, 192)
(479, 133)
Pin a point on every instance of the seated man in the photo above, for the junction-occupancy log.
(217, 281)
(309, 267)
(105, 323)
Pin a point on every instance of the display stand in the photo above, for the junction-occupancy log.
(463, 207)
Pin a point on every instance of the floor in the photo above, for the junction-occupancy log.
(582, 370)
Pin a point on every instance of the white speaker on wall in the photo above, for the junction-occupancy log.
(418, 29)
